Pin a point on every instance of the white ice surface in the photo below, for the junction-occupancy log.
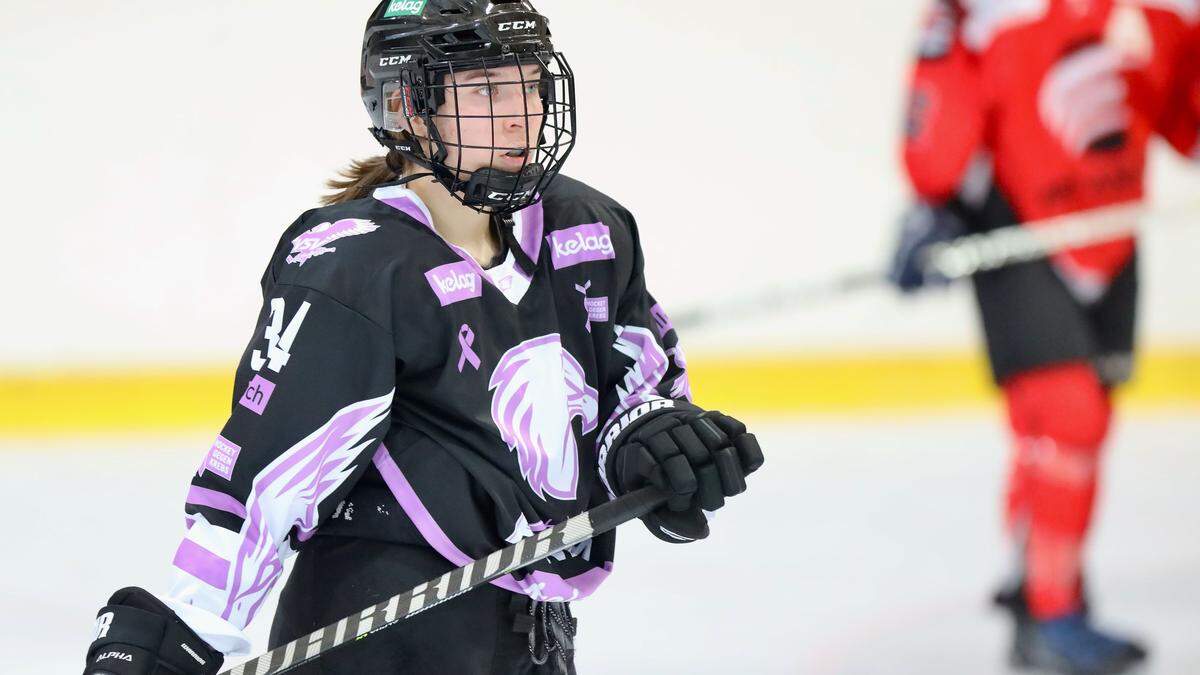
(862, 547)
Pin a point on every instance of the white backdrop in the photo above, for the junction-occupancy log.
(153, 151)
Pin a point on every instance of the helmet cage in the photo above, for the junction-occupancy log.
(425, 86)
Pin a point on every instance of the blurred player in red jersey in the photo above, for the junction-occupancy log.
(1022, 110)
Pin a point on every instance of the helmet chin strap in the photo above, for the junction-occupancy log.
(490, 189)
(504, 226)
(410, 178)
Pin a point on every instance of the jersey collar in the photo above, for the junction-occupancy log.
(507, 277)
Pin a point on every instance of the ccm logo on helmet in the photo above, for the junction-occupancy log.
(516, 25)
(395, 60)
(508, 197)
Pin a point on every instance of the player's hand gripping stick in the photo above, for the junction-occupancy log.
(698, 458)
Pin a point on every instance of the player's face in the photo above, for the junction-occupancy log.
(492, 118)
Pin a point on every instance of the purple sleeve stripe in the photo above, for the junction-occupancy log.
(220, 501)
(202, 563)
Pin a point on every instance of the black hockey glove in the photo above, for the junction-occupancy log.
(136, 634)
(697, 457)
(922, 226)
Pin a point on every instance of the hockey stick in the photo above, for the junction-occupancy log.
(778, 298)
(529, 550)
(961, 258)
(1022, 243)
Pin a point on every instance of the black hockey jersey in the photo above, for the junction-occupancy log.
(394, 389)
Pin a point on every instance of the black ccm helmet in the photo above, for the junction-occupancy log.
(414, 53)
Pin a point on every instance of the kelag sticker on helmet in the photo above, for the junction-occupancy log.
(404, 8)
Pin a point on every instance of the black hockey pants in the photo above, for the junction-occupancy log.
(487, 631)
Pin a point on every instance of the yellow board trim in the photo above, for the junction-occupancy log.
(784, 384)
(37, 404)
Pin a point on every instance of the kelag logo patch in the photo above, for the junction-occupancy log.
(404, 8)
(579, 244)
(455, 282)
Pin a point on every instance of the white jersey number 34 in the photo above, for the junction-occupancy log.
(279, 339)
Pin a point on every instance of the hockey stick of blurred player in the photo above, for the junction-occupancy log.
(950, 255)
(778, 298)
(973, 253)
(399, 607)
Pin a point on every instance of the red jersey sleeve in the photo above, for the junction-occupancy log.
(946, 107)
(1180, 122)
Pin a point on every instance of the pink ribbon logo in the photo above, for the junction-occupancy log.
(466, 338)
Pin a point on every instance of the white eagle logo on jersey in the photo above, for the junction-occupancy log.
(316, 241)
(538, 390)
(1083, 100)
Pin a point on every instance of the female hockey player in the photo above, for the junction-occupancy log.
(1021, 112)
(456, 352)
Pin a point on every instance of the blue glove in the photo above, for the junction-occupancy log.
(920, 227)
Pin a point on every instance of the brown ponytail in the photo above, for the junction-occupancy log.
(362, 177)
